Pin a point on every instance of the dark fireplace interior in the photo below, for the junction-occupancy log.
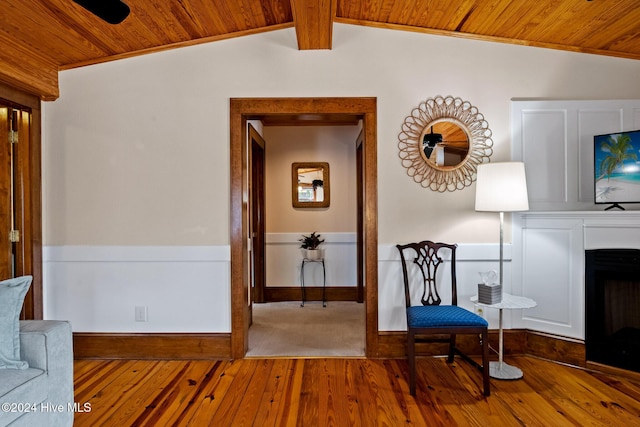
(612, 282)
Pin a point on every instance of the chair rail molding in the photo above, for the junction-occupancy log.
(283, 259)
(471, 258)
(99, 288)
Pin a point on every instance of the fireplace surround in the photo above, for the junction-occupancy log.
(612, 291)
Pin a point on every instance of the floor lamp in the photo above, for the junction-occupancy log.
(501, 187)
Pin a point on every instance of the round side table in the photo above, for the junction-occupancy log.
(501, 370)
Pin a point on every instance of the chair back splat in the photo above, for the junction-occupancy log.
(432, 319)
(428, 258)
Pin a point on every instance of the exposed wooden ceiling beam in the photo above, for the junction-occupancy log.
(313, 20)
(22, 69)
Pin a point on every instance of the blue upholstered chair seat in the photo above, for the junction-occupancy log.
(431, 316)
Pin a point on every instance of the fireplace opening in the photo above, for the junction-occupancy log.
(612, 285)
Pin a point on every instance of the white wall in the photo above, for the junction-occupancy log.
(136, 151)
(335, 145)
(97, 288)
(284, 259)
(285, 224)
(470, 260)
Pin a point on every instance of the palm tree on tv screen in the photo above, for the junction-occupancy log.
(618, 146)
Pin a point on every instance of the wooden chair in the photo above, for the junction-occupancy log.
(430, 320)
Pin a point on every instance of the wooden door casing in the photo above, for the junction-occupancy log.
(27, 252)
(328, 109)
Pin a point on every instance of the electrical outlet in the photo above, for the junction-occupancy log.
(479, 310)
(141, 313)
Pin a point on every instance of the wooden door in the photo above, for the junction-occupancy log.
(15, 125)
(257, 224)
(20, 194)
(360, 220)
(6, 193)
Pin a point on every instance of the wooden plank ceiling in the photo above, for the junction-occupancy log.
(41, 37)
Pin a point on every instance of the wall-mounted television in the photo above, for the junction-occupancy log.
(617, 168)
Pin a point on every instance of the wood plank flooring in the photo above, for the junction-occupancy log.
(346, 392)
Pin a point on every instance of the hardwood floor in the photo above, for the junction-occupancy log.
(346, 392)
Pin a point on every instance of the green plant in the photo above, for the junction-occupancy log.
(312, 241)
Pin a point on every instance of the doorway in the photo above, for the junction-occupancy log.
(257, 221)
(20, 203)
(281, 324)
(285, 329)
(312, 111)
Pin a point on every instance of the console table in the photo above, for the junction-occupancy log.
(500, 370)
(324, 280)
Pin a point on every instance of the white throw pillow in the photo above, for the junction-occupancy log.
(12, 293)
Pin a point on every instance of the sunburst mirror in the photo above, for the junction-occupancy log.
(442, 143)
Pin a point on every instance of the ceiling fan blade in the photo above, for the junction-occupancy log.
(111, 11)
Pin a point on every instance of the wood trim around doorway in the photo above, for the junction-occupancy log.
(29, 221)
(243, 109)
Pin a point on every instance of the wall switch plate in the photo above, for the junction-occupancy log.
(141, 313)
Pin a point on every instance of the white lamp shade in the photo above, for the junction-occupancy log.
(501, 187)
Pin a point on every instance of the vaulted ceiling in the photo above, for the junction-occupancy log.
(41, 37)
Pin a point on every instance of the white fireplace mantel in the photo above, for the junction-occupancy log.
(554, 138)
(548, 262)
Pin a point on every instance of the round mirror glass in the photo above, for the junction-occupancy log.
(445, 144)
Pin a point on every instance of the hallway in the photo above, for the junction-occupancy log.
(285, 329)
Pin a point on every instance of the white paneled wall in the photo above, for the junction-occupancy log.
(284, 256)
(554, 138)
(97, 288)
(550, 267)
(470, 259)
(552, 271)
(283, 269)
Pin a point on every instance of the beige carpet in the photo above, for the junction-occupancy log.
(285, 329)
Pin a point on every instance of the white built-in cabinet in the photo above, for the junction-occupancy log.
(554, 139)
